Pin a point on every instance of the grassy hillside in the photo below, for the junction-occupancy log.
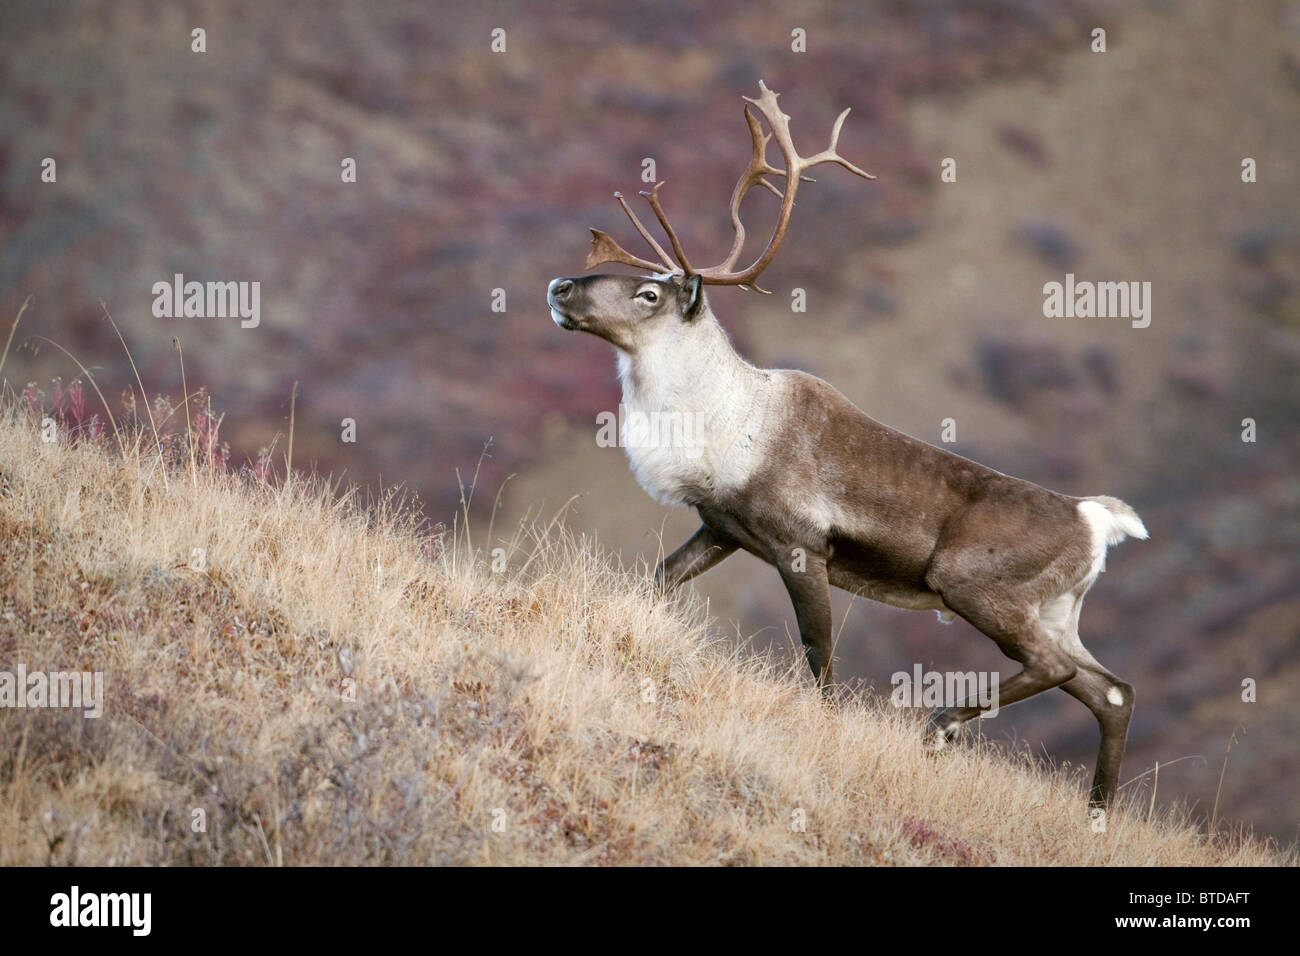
(337, 686)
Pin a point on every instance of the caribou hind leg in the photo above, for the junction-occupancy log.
(1109, 698)
(1015, 626)
(1111, 702)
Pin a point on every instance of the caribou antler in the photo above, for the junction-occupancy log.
(605, 249)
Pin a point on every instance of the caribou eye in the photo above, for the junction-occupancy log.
(650, 295)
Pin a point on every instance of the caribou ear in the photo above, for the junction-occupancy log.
(691, 297)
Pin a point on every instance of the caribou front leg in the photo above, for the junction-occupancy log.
(805, 578)
(702, 551)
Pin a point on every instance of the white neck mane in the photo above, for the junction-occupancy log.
(694, 412)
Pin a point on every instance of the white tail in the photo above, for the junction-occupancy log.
(1113, 518)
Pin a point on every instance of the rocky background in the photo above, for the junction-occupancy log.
(481, 170)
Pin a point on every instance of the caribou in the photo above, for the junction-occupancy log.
(786, 468)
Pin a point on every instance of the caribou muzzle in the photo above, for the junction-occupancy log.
(560, 296)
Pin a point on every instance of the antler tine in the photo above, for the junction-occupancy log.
(831, 154)
(664, 257)
(796, 165)
(605, 249)
(653, 197)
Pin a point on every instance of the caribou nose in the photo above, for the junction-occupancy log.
(559, 289)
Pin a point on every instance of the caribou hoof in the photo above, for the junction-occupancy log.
(937, 736)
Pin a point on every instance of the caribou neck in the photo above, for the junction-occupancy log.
(695, 369)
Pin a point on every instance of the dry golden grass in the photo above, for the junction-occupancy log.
(557, 699)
